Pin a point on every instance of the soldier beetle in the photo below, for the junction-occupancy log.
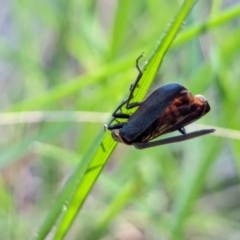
(167, 109)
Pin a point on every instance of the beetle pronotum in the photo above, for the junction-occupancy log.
(167, 109)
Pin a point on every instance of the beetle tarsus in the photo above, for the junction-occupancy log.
(105, 127)
(115, 126)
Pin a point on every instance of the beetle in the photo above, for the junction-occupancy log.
(169, 108)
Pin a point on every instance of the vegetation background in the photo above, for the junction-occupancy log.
(65, 65)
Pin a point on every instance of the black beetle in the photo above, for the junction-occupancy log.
(167, 109)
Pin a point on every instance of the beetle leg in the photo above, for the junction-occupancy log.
(182, 130)
(115, 126)
(119, 107)
(134, 85)
(129, 105)
(115, 116)
(139, 72)
(119, 115)
(173, 139)
(132, 88)
(122, 115)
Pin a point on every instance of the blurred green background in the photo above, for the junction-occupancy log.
(65, 65)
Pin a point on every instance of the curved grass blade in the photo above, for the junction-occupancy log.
(120, 199)
(78, 187)
(187, 193)
(94, 160)
(68, 88)
(213, 22)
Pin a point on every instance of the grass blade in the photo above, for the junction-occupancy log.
(78, 187)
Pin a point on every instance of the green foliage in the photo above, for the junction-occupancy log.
(80, 56)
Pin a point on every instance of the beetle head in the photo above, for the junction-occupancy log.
(117, 136)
